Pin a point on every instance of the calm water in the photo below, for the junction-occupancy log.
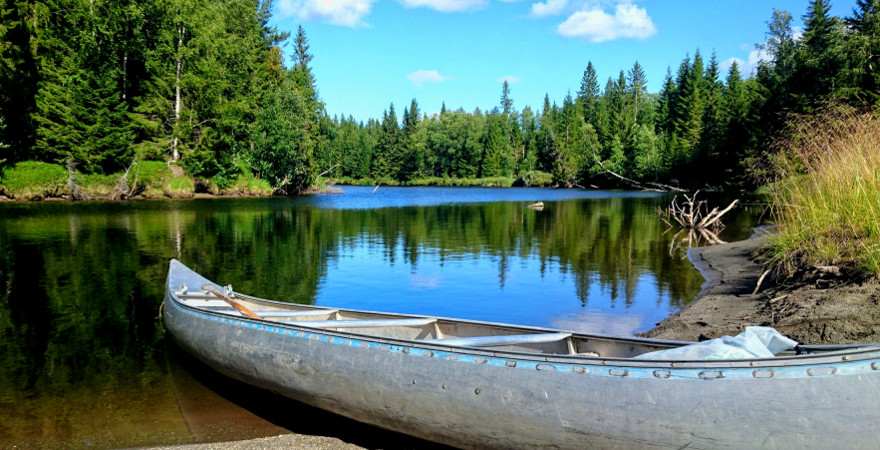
(85, 363)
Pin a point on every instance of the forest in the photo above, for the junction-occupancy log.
(97, 87)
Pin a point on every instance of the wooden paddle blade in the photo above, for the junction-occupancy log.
(245, 311)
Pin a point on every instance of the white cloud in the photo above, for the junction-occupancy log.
(510, 79)
(422, 76)
(758, 56)
(548, 8)
(445, 5)
(595, 25)
(347, 13)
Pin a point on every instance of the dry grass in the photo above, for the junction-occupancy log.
(827, 197)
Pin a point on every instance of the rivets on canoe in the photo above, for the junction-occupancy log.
(618, 372)
(711, 374)
(477, 391)
(763, 373)
(875, 365)
(821, 371)
(510, 363)
(429, 354)
(579, 369)
(443, 386)
(480, 360)
(413, 381)
(545, 367)
(406, 350)
(662, 374)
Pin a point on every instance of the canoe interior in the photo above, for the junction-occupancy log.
(191, 289)
(421, 328)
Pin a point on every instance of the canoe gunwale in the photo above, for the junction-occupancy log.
(868, 352)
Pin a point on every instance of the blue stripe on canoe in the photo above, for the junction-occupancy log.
(727, 373)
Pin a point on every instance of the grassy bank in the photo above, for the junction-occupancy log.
(32, 180)
(533, 178)
(827, 200)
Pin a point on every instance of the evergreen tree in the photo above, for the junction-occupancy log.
(637, 89)
(18, 79)
(588, 94)
(863, 64)
(385, 160)
(506, 101)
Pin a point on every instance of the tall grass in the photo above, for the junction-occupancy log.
(827, 197)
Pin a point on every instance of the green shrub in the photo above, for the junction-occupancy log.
(34, 179)
(98, 185)
(150, 176)
(181, 186)
(249, 185)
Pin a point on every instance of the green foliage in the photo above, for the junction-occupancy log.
(282, 153)
(204, 84)
(33, 179)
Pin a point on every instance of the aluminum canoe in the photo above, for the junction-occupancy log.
(472, 384)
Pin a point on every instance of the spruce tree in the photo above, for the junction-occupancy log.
(506, 101)
(588, 94)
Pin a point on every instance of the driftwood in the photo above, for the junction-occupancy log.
(645, 186)
(696, 223)
(125, 189)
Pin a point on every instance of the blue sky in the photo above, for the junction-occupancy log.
(369, 53)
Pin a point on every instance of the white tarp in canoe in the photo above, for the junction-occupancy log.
(753, 342)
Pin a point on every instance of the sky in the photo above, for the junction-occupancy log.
(369, 53)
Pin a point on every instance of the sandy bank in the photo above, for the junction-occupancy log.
(816, 308)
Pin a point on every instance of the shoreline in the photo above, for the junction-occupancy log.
(816, 308)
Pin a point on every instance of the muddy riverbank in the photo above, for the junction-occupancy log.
(818, 307)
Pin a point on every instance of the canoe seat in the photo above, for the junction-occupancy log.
(502, 340)
(272, 313)
(368, 323)
(268, 313)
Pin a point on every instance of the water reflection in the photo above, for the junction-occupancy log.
(84, 362)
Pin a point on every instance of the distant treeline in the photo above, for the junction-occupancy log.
(204, 83)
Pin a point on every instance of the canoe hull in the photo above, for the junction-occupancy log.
(471, 400)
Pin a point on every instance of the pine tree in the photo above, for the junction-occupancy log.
(820, 57)
(588, 94)
(412, 147)
(637, 89)
(18, 79)
(863, 48)
(665, 103)
(713, 122)
(385, 161)
(506, 101)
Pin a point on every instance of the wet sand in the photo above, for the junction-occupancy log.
(814, 307)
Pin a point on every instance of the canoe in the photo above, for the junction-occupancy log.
(472, 384)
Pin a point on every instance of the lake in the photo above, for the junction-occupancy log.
(84, 362)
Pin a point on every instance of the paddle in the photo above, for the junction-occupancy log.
(238, 306)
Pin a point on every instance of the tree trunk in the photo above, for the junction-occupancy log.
(175, 154)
